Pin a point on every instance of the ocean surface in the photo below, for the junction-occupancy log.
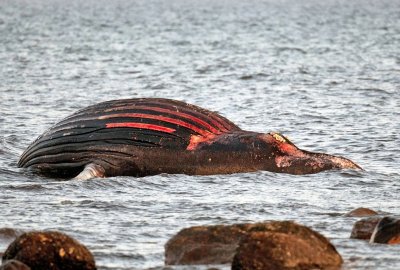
(326, 74)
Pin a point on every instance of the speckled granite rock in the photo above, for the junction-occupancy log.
(50, 251)
(274, 250)
(218, 244)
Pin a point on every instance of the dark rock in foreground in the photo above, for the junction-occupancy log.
(387, 231)
(363, 228)
(361, 212)
(218, 244)
(272, 250)
(50, 251)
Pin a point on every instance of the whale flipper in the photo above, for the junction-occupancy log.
(91, 171)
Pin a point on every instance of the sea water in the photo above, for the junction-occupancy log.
(326, 74)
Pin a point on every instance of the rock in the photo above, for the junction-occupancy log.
(387, 231)
(274, 250)
(363, 228)
(51, 251)
(14, 265)
(204, 245)
(218, 244)
(361, 212)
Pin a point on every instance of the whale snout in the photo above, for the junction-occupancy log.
(291, 159)
(313, 163)
(341, 162)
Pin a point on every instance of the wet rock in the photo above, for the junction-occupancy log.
(14, 265)
(51, 251)
(204, 245)
(387, 231)
(364, 228)
(218, 244)
(361, 212)
(274, 250)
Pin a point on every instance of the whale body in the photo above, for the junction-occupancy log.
(149, 136)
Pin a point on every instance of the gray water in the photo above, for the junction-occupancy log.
(324, 73)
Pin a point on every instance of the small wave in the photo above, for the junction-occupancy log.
(377, 91)
(7, 233)
(25, 187)
(329, 214)
(253, 76)
(95, 204)
(5, 172)
(352, 173)
(119, 255)
(291, 49)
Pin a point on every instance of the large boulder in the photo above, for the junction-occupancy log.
(274, 250)
(49, 250)
(387, 231)
(218, 244)
(205, 244)
(364, 228)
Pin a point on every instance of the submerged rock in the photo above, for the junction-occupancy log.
(387, 231)
(218, 244)
(274, 250)
(51, 251)
(14, 265)
(361, 212)
(364, 228)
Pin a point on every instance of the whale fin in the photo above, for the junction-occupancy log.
(91, 170)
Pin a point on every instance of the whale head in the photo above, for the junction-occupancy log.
(289, 158)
